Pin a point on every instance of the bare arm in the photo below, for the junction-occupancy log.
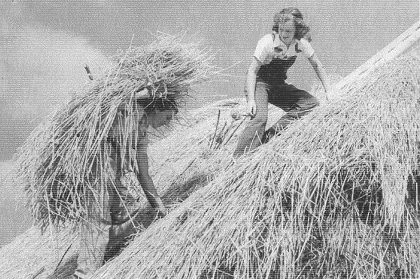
(320, 71)
(144, 178)
(251, 78)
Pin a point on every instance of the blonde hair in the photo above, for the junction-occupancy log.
(291, 13)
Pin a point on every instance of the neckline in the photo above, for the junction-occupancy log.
(277, 41)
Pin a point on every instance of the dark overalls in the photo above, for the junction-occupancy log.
(271, 87)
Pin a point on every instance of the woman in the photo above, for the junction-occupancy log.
(109, 232)
(266, 79)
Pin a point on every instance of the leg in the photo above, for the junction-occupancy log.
(251, 136)
(295, 102)
(119, 199)
(119, 213)
(93, 239)
(96, 239)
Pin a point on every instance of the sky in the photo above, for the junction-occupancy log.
(44, 45)
(14, 218)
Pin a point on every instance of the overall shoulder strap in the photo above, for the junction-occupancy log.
(297, 48)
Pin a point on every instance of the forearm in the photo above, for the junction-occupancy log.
(144, 178)
(149, 189)
(320, 71)
(250, 85)
(251, 79)
(322, 75)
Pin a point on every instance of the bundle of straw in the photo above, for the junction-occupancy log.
(334, 196)
(65, 163)
(180, 163)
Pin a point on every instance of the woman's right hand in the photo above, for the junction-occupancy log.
(252, 108)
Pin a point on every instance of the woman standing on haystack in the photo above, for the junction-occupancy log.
(266, 79)
(95, 242)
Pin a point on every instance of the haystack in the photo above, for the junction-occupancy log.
(334, 196)
(181, 162)
(65, 163)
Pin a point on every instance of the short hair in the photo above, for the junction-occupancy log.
(161, 104)
(291, 13)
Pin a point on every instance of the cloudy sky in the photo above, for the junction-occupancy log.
(45, 44)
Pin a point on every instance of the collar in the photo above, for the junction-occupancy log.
(279, 43)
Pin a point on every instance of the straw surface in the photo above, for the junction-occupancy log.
(334, 196)
(34, 254)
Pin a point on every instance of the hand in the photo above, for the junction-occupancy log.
(328, 95)
(160, 208)
(252, 108)
(327, 98)
(162, 212)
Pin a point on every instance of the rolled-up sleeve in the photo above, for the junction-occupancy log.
(263, 49)
(306, 48)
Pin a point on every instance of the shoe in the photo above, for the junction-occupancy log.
(79, 275)
(161, 212)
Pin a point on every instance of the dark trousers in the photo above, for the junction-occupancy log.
(295, 102)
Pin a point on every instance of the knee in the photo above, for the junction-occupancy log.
(307, 106)
(259, 120)
(314, 102)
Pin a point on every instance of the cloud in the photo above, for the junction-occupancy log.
(15, 217)
(8, 189)
(42, 66)
(38, 70)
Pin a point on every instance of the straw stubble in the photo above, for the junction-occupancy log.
(335, 196)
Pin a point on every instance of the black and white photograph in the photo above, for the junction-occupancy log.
(210, 139)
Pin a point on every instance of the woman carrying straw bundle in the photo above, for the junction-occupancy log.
(266, 79)
(71, 164)
(94, 242)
